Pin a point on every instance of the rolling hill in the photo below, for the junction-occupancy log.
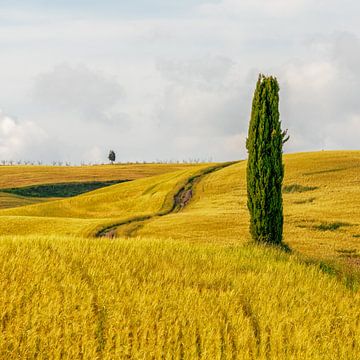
(162, 267)
(321, 207)
(34, 184)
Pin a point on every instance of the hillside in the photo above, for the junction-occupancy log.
(86, 214)
(25, 175)
(11, 200)
(34, 184)
(162, 267)
(321, 206)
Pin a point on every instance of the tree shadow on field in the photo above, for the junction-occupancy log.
(282, 246)
(349, 277)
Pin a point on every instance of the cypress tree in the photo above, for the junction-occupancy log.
(265, 170)
(112, 156)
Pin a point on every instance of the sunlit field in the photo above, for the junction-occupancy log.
(179, 277)
(10, 200)
(102, 207)
(143, 298)
(321, 207)
(18, 176)
(32, 175)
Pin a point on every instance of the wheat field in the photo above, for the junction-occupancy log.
(85, 214)
(218, 212)
(19, 176)
(149, 299)
(25, 175)
(186, 283)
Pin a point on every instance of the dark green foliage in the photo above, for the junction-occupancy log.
(305, 201)
(348, 253)
(112, 156)
(324, 171)
(327, 268)
(265, 170)
(297, 188)
(60, 190)
(330, 226)
(349, 278)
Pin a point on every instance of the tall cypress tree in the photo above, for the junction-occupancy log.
(265, 170)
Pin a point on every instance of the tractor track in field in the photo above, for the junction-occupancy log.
(77, 269)
(180, 200)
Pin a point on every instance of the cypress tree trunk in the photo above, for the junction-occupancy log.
(265, 170)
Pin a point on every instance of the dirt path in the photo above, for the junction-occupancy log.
(180, 200)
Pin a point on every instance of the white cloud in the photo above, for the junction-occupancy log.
(207, 73)
(19, 140)
(244, 8)
(79, 91)
(236, 144)
(94, 154)
(202, 96)
(320, 97)
(179, 85)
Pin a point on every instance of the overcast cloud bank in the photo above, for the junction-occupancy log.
(174, 82)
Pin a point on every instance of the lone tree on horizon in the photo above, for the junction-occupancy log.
(112, 156)
(265, 169)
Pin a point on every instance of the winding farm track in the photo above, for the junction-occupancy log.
(181, 198)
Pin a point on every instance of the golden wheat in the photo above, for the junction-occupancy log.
(141, 299)
(25, 175)
(218, 211)
(89, 212)
(20, 176)
(10, 200)
(197, 291)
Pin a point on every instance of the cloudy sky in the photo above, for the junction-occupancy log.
(170, 79)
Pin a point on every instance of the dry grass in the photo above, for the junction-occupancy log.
(218, 212)
(10, 200)
(87, 213)
(21, 176)
(140, 299)
(144, 196)
(196, 292)
(26, 175)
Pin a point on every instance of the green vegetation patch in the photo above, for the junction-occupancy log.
(349, 279)
(305, 201)
(324, 171)
(331, 226)
(348, 253)
(288, 189)
(61, 189)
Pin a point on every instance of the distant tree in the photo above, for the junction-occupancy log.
(112, 156)
(265, 170)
